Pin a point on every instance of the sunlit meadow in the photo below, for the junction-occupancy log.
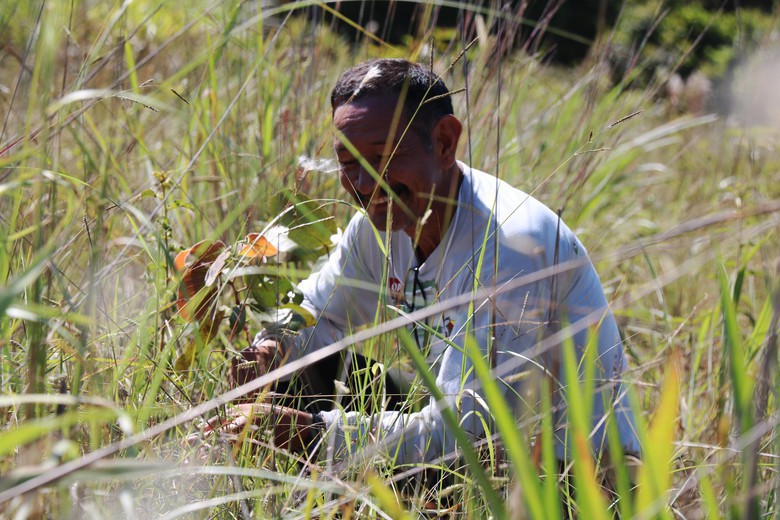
(133, 130)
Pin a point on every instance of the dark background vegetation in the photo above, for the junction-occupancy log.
(133, 130)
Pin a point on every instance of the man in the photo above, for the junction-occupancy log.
(432, 230)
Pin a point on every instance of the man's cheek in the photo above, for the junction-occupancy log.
(345, 183)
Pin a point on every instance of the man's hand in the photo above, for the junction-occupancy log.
(292, 429)
(253, 362)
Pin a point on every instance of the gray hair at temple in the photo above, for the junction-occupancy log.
(381, 77)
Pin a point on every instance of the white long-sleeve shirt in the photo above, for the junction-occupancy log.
(372, 274)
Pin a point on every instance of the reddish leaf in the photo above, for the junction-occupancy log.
(216, 267)
(193, 265)
(258, 246)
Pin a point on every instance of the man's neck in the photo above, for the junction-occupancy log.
(436, 226)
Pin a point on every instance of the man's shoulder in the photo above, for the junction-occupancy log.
(358, 226)
(511, 207)
(524, 226)
(360, 237)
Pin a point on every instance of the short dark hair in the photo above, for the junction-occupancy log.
(381, 77)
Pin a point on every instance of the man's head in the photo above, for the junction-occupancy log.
(418, 166)
(409, 83)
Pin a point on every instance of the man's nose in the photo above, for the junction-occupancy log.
(364, 182)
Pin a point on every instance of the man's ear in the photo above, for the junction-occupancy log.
(446, 134)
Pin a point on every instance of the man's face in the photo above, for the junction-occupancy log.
(413, 172)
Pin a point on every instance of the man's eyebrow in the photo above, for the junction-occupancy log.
(341, 147)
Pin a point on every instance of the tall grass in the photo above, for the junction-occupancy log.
(133, 130)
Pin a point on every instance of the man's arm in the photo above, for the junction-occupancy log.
(342, 294)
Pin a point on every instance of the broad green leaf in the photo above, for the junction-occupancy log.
(310, 222)
(271, 291)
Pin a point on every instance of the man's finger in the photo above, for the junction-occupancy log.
(220, 422)
(214, 423)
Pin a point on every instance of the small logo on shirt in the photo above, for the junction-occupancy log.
(448, 326)
(395, 285)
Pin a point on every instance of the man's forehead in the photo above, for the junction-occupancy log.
(369, 122)
(386, 106)
(340, 147)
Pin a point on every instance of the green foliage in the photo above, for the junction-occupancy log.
(686, 37)
(310, 223)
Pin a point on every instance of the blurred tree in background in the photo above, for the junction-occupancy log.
(709, 38)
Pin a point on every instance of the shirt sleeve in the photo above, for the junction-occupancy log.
(585, 311)
(342, 295)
